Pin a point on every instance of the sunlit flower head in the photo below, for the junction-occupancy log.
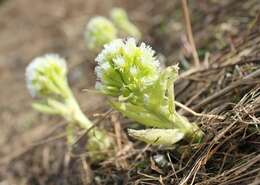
(126, 68)
(99, 31)
(46, 75)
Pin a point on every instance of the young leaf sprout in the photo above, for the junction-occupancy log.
(46, 79)
(120, 19)
(99, 31)
(138, 87)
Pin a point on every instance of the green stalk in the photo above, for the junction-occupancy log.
(191, 130)
(76, 115)
(176, 121)
(73, 113)
(160, 118)
(98, 139)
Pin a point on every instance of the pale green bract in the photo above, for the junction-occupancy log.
(99, 31)
(166, 137)
(130, 75)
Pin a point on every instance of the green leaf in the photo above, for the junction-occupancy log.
(44, 108)
(59, 107)
(165, 137)
(140, 114)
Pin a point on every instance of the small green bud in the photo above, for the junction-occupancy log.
(99, 31)
(120, 19)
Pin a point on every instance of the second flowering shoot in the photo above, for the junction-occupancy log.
(100, 30)
(131, 77)
(46, 78)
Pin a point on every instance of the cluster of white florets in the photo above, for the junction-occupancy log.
(99, 31)
(125, 67)
(40, 71)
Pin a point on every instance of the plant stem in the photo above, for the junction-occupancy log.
(191, 130)
(173, 120)
(76, 115)
(176, 121)
(98, 139)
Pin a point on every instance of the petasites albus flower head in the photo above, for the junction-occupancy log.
(130, 76)
(126, 69)
(120, 19)
(46, 75)
(99, 31)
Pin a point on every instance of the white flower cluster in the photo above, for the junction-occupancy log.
(99, 31)
(125, 66)
(129, 47)
(36, 71)
(109, 49)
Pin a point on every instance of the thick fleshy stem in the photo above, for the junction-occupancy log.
(161, 119)
(98, 139)
(191, 131)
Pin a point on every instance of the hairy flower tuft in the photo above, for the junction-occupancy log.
(99, 31)
(126, 68)
(45, 74)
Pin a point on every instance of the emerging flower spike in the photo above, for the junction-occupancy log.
(46, 79)
(99, 31)
(131, 76)
(120, 19)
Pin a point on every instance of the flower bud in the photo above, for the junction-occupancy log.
(120, 19)
(99, 31)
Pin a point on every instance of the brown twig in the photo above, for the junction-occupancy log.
(198, 114)
(189, 32)
(228, 89)
(118, 132)
(218, 67)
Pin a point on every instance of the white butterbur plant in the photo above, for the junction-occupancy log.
(46, 78)
(135, 84)
(100, 30)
